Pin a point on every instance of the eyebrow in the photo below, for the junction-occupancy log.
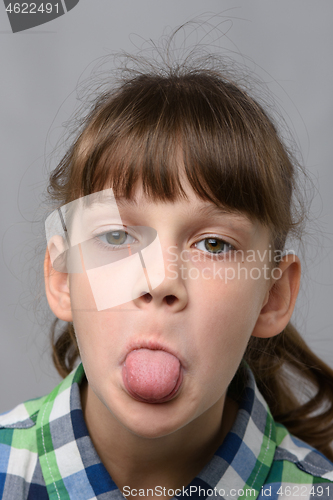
(123, 202)
(202, 210)
(205, 210)
(210, 210)
(216, 211)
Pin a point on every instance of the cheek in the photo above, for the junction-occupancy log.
(225, 295)
(85, 314)
(98, 332)
(82, 299)
(225, 313)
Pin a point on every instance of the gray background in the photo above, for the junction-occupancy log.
(290, 43)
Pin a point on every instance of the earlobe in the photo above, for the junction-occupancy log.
(57, 290)
(279, 305)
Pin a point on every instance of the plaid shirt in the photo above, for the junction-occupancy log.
(46, 452)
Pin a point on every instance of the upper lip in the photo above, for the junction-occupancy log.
(149, 343)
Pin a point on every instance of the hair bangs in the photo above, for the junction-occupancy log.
(158, 131)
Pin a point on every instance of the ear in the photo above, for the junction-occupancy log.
(280, 299)
(57, 290)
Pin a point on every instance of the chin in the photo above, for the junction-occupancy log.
(153, 432)
(153, 421)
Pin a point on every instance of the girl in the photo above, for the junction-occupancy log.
(166, 260)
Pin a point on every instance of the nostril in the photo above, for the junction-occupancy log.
(146, 297)
(170, 299)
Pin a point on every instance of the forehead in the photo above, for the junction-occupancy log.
(106, 203)
(191, 205)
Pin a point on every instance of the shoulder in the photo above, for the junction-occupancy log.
(298, 469)
(296, 451)
(26, 439)
(17, 427)
(22, 416)
(18, 448)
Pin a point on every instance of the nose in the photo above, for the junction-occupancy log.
(171, 293)
(169, 299)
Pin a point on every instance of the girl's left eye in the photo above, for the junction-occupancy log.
(116, 238)
(214, 245)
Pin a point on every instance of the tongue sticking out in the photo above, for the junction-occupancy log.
(153, 376)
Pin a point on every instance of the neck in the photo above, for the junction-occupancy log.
(171, 461)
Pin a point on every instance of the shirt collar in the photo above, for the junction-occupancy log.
(245, 457)
(69, 461)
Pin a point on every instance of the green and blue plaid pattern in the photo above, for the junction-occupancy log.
(46, 453)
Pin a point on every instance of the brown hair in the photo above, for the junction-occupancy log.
(233, 157)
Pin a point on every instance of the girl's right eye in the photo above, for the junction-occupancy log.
(116, 239)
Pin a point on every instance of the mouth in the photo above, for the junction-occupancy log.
(151, 373)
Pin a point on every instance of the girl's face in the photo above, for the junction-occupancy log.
(203, 312)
